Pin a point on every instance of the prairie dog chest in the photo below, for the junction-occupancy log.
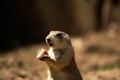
(55, 54)
(55, 76)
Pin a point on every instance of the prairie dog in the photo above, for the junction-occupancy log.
(60, 57)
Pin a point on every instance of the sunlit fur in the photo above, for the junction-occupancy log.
(63, 67)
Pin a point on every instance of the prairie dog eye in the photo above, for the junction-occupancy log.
(59, 35)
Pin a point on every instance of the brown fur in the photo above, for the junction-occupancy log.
(61, 64)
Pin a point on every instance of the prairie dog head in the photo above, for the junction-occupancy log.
(58, 40)
(59, 43)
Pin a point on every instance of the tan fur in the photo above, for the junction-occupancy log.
(61, 64)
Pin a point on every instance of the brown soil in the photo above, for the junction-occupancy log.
(97, 56)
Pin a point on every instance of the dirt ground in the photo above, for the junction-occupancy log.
(97, 56)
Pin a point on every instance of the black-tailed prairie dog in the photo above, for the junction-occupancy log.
(60, 57)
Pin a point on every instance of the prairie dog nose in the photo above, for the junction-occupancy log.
(48, 40)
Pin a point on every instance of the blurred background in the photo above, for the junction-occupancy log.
(94, 27)
(29, 21)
